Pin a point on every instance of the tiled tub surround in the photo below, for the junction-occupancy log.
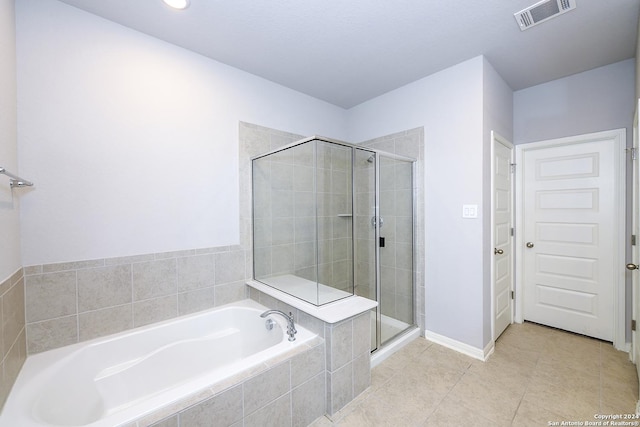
(348, 351)
(71, 302)
(280, 393)
(12, 338)
(217, 355)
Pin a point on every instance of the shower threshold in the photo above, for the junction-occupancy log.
(395, 334)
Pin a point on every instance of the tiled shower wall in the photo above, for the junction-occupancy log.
(12, 339)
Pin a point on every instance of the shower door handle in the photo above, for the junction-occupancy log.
(375, 220)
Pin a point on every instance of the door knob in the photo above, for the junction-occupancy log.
(497, 251)
(529, 245)
(632, 266)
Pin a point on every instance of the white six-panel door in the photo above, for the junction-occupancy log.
(571, 234)
(502, 238)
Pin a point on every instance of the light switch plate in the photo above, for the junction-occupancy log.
(469, 211)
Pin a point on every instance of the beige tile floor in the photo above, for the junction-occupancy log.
(536, 375)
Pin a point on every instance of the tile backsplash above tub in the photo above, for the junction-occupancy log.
(77, 301)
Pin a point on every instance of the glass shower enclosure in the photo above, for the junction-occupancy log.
(332, 220)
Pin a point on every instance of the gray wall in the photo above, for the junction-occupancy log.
(497, 116)
(592, 101)
(638, 62)
(451, 106)
(9, 208)
(158, 156)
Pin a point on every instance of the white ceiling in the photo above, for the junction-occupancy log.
(348, 51)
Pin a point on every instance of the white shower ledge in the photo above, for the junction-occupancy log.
(333, 312)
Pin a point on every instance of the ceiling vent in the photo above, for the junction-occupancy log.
(542, 11)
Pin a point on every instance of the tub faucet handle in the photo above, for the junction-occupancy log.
(293, 326)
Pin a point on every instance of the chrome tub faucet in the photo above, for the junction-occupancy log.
(291, 327)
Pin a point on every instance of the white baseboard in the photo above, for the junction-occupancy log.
(488, 350)
(626, 347)
(460, 347)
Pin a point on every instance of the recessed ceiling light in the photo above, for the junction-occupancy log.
(177, 4)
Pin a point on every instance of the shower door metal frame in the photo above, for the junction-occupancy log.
(376, 239)
(378, 224)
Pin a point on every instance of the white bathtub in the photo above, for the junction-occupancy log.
(120, 378)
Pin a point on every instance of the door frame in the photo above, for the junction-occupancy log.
(635, 225)
(498, 139)
(619, 141)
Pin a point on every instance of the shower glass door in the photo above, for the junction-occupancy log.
(383, 241)
(395, 246)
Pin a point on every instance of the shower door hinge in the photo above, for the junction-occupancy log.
(513, 294)
(513, 167)
(633, 151)
(633, 240)
(512, 231)
(633, 325)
